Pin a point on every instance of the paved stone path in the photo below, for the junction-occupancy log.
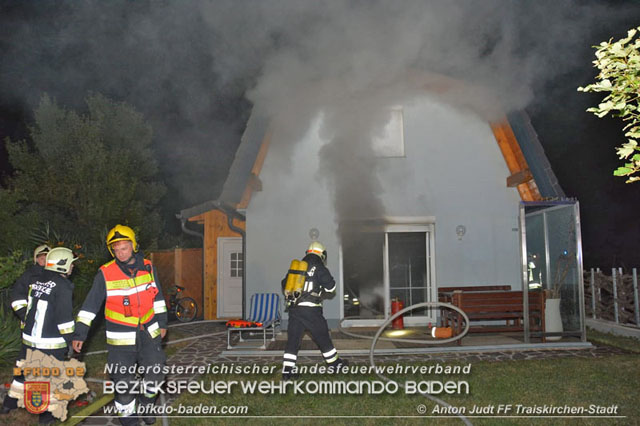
(208, 350)
(200, 352)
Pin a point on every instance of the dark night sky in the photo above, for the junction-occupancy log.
(199, 137)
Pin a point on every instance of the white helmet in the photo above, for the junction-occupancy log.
(60, 260)
(318, 249)
(43, 249)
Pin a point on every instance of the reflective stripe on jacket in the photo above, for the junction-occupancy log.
(49, 313)
(129, 300)
(318, 282)
(133, 304)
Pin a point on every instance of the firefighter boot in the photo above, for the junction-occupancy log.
(8, 404)
(337, 366)
(46, 418)
(290, 376)
(148, 417)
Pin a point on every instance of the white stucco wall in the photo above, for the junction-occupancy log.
(453, 170)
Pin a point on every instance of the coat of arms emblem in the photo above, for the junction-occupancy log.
(36, 396)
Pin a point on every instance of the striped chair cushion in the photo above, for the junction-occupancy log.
(264, 308)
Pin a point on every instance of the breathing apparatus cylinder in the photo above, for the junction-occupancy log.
(295, 280)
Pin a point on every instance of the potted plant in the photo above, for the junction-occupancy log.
(553, 295)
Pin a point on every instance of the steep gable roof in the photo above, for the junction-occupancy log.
(533, 151)
(526, 160)
(247, 162)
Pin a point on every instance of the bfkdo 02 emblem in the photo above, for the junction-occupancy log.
(36, 396)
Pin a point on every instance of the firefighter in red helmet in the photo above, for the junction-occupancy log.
(305, 312)
(136, 316)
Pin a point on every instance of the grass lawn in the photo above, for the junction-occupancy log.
(576, 382)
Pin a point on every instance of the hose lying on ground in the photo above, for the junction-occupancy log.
(374, 339)
(381, 329)
(173, 342)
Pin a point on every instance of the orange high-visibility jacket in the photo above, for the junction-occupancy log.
(129, 300)
(132, 304)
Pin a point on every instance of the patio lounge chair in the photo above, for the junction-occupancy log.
(264, 308)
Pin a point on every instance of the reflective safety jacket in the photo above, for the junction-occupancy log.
(20, 290)
(49, 313)
(134, 302)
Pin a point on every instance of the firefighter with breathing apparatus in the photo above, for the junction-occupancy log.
(306, 285)
(47, 315)
(136, 321)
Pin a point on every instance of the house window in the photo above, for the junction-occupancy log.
(237, 264)
(390, 141)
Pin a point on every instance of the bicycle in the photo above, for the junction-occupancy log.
(184, 309)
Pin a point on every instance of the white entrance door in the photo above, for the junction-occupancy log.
(230, 268)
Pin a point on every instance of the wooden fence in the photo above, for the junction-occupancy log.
(612, 297)
(182, 267)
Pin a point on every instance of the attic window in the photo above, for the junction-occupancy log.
(391, 142)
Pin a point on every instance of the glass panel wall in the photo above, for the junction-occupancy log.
(553, 262)
(565, 282)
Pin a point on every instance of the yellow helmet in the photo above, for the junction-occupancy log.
(60, 260)
(318, 249)
(43, 249)
(121, 233)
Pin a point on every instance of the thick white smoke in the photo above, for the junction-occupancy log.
(187, 65)
(350, 62)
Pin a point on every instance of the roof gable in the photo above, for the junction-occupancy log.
(526, 160)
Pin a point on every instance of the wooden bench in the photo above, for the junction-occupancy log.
(475, 288)
(445, 295)
(496, 306)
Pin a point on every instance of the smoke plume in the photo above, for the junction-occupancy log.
(193, 67)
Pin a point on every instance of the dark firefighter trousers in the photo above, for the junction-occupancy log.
(301, 319)
(149, 357)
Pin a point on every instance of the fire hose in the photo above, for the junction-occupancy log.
(105, 399)
(375, 338)
(381, 329)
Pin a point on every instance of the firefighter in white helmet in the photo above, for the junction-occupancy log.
(21, 287)
(48, 318)
(305, 313)
(19, 300)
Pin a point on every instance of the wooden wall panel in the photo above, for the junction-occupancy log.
(164, 263)
(188, 273)
(215, 226)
